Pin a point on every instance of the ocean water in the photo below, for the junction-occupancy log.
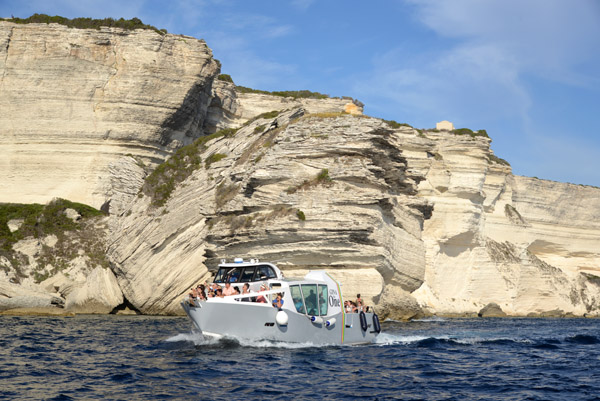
(159, 358)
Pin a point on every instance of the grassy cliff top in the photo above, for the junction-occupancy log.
(86, 23)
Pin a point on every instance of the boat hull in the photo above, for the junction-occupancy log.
(256, 321)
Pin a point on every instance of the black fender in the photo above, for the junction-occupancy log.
(376, 325)
(363, 321)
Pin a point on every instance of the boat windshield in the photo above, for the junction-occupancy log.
(315, 299)
(297, 297)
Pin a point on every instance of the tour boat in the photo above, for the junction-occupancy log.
(312, 311)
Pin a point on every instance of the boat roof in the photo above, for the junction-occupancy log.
(238, 262)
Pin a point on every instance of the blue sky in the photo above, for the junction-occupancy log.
(527, 71)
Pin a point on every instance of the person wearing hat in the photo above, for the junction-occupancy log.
(261, 299)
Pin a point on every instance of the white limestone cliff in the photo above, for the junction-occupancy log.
(418, 222)
(72, 101)
(427, 222)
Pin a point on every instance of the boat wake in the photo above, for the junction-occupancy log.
(428, 341)
(200, 340)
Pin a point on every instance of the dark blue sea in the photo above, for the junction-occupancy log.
(159, 358)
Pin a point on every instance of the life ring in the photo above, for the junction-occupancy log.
(376, 325)
(363, 321)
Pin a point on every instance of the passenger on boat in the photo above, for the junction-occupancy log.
(234, 276)
(261, 299)
(201, 294)
(228, 289)
(191, 299)
(278, 302)
(347, 307)
(219, 293)
(311, 303)
(359, 303)
(246, 290)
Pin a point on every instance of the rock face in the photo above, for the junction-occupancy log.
(254, 104)
(526, 244)
(418, 222)
(429, 220)
(72, 101)
(491, 310)
(346, 175)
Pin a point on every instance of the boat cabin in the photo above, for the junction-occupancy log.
(246, 272)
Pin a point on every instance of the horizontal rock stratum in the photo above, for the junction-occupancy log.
(418, 221)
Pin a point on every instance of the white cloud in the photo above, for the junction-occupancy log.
(493, 48)
(455, 84)
(549, 38)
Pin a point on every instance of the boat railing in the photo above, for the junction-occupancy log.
(237, 297)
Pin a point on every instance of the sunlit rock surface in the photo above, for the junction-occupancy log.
(72, 101)
(434, 222)
(418, 222)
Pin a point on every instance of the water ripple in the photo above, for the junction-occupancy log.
(157, 358)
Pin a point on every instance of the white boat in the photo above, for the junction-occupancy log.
(312, 310)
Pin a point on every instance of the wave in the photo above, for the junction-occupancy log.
(393, 339)
(385, 339)
(583, 339)
(200, 340)
(193, 337)
(432, 341)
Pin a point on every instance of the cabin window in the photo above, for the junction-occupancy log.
(297, 298)
(264, 273)
(247, 274)
(233, 276)
(323, 300)
(220, 277)
(310, 298)
(228, 275)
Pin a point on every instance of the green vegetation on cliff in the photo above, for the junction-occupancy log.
(322, 178)
(162, 181)
(86, 23)
(499, 160)
(467, 131)
(225, 77)
(301, 94)
(39, 221)
(395, 124)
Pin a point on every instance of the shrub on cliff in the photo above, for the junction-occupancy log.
(301, 94)
(225, 77)
(499, 160)
(213, 159)
(395, 124)
(40, 221)
(322, 178)
(86, 23)
(162, 181)
(467, 131)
